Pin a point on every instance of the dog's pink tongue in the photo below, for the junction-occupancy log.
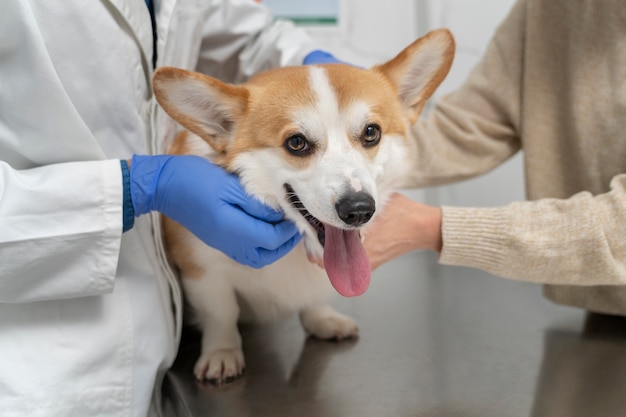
(346, 261)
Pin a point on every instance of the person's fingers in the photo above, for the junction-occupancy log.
(281, 232)
(252, 205)
(269, 256)
(258, 232)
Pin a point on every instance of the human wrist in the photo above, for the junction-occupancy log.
(431, 225)
(145, 172)
(422, 227)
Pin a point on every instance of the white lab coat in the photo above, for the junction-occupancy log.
(89, 318)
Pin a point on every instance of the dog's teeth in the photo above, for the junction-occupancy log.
(362, 236)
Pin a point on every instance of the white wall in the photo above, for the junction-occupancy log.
(372, 31)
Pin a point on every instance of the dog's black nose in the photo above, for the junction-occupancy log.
(356, 209)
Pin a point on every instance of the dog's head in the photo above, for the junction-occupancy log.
(325, 143)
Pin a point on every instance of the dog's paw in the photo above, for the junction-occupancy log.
(329, 324)
(220, 366)
(335, 327)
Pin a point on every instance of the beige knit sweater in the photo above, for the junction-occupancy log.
(553, 84)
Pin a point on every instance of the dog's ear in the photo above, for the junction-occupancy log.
(204, 105)
(418, 70)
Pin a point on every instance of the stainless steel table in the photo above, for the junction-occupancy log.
(435, 341)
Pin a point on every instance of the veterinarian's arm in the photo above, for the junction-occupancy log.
(60, 230)
(241, 38)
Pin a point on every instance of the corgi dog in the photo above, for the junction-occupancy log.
(326, 144)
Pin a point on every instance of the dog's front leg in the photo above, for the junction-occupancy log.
(216, 311)
(324, 322)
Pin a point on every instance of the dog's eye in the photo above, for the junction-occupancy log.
(371, 135)
(298, 145)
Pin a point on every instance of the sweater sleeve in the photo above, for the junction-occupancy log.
(576, 241)
(60, 230)
(475, 128)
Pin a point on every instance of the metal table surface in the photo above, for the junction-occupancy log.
(435, 341)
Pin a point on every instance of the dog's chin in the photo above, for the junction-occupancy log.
(314, 250)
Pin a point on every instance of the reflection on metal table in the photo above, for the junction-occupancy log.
(435, 341)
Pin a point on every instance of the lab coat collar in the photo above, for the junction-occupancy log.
(136, 15)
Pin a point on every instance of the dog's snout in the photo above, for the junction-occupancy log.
(356, 209)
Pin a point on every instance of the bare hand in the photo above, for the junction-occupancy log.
(403, 226)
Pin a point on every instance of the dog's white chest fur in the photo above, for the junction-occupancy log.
(284, 287)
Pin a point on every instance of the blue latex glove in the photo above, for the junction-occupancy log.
(212, 204)
(320, 57)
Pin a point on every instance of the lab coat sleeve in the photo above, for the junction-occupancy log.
(241, 38)
(474, 129)
(60, 230)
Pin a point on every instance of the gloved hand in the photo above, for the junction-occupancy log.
(321, 57)
(212, 204)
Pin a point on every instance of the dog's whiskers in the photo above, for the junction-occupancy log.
(297, 204)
